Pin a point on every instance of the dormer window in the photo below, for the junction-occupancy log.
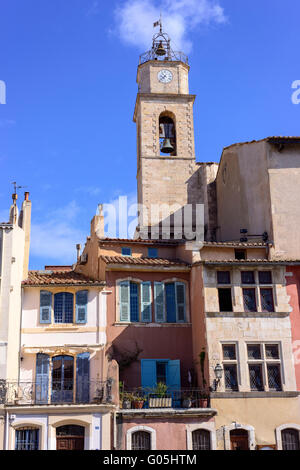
(126, 251)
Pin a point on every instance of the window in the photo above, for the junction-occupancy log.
(266, 298)
(264, 361)
(163, 370)
(240, 254)
(223, 277)
(265, 277)
(64, 370)
(225, 300)
(27, 439)
(201, 440)
(230, 367)
(249, 300)
(63, 307)
(290, 439)
(248, 277)
(126, 251)
(152, 253)
(141, 440)
(135, 302)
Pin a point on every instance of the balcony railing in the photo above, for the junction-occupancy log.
(47, 392)
(147, 399)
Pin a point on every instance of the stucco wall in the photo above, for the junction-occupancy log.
(293, 290)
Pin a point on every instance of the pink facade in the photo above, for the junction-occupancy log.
(293, 290)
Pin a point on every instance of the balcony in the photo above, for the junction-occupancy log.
(145, 399)
(55, 393)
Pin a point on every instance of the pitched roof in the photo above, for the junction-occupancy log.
(142, 261)
(62, 278)
(139, 241)
(272, 140)
(237, 244)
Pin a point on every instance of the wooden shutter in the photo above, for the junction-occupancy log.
(146, 302)
(173, 375)
(180, 301)
(159, 302)
(42, 378)
(83, 378)
(81, 306)
(124, 301)
(45, 306)
(148, 367)
(171, 302)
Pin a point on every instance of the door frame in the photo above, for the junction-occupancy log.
(233, 426)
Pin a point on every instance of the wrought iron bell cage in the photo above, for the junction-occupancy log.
(161, 50)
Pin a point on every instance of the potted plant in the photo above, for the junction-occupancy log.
(160, 398)
(126, 400)
(187, 400)
(138, 402)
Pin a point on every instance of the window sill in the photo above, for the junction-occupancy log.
(153, 325)
(247, 314)
(63, 327)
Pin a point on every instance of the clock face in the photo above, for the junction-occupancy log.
(165, 76)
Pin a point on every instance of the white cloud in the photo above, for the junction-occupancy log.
(135, 20)
(55, 238)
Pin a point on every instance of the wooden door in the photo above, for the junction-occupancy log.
(70, 443)
(239, 439)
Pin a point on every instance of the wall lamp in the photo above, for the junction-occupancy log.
(219, 374)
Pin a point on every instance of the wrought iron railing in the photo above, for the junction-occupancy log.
(146, 398)
(46, 392)
(174, 56)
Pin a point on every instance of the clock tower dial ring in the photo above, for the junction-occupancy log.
(165, 76)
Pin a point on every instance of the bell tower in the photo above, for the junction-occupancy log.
(166, 162)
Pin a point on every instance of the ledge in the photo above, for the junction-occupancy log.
(170, 412)
(153, 325)
(247, 314)
(72, 408)
(235, 395)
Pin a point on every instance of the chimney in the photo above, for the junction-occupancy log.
(13, 212)
(78, 248)
(97, 224)
(25, 224)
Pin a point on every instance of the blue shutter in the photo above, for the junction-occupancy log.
(124, 301)
(134, 303)
(171, 303)
(146, 313)
(45, 306)
(173, 375)
(42, 378)
(81, 306)
(159, 302)
(148, 367)
(83, 378)
(180, 301)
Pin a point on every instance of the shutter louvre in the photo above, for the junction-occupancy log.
(159, 302)
(81, 306)
(83, 378)
(180, 301)
(45, 306)
(146, 302)
(42, 378)
(148, 367)
(124, 300)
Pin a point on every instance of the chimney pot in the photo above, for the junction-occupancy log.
(26, 196)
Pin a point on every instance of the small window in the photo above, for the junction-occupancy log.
(225, 300)
(27, 439)
(63, 307)
(267, 303)
(201, 439)
(161, 372)
(254, 351)
(256, 377)
(248, 277)
(265, 277)
(274, 377)
(126, 251)
(141, 440)
(240, 254)
(152, 253)
(290, 439)
(272, 351)
(229, 352)
(223, 277)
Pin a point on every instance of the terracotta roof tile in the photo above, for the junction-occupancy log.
(247, 261)
(237, 244)
(142, 261)
(49, 278)
(139, 241)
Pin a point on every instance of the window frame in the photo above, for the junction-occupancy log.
(123, 248)
(74, 293)
(231, 362)
(258, 286)
(135, 429)
(264, 362)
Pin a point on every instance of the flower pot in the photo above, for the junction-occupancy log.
(164, 402)
(138, 405)
(126, 404)
(187, 403)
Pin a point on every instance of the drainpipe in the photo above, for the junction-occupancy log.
(6, 430)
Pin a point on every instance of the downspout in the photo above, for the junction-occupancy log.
(6, 430)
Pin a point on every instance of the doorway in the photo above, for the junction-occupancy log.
(239, 439)
(70, 438)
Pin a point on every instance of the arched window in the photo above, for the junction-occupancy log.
(27, 438)
(141, 440)
(290, 439)
(167, 135)
(201, 439)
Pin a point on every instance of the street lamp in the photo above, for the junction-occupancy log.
(219, 374)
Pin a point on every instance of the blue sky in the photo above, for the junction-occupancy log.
(66, 130)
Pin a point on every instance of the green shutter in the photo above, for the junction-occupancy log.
(124, 301)
(180, 301)
(81, 306)
(159, 302)
(45, 306)
(146, 302)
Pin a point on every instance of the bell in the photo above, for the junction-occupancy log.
(160, 51)
(167, 146)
